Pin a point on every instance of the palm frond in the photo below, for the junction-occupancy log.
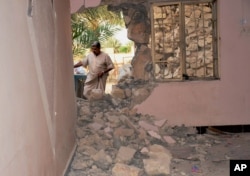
(93, 24)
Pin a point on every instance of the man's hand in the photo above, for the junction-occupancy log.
(101, 74)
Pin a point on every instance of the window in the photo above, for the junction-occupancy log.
(184, 40)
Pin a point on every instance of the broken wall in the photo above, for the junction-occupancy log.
(222, 101)
(217, 102)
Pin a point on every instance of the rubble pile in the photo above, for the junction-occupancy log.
(114, 139)
(118, 141)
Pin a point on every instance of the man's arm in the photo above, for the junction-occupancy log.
(105, 71)
(78, 64)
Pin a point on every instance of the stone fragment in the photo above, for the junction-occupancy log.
(125, 170)
(96, 94)
(125, 155)
(139, 95)
(102, 160)
(154, 134)
(128, 92)
(147, 126)
(98, 117)
(123, 132)
(128, 123)
(117, 142)
(95, 126)
(114, 120)
(116, 101)
(86, 150)
(125, 110)
(144, 150)
(108, 131)
(169, 139)
(85, 111)
(158, 162)
(117, 92)
(80, 133)
(133, 112)
(89, 140)
(80, 164)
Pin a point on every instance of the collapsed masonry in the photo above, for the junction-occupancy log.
(113, 139)
(171, 44)
(116, 140)
(173, 41)
(174, 37)
(138, 27)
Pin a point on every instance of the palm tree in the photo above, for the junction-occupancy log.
(113, 43)
(93, 24)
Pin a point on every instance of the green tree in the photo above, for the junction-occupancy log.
(93, 24)
(113, 43)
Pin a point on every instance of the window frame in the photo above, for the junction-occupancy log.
(182, 44)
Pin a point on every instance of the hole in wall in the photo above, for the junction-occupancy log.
(117, 45)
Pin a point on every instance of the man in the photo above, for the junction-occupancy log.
(99, 64)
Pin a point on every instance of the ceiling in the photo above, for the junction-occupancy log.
(75, 5)
(78, 5)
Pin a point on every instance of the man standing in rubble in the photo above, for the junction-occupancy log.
(99, 64)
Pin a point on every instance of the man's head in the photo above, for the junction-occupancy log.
(96, 48)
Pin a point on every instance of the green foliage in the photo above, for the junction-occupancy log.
(112, 43)
(124, 49)
(91, 25)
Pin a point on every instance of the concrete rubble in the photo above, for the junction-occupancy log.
(113, 139)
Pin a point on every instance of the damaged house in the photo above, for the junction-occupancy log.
(191, 64)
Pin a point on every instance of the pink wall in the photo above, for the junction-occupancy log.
(37, 105)
(221, 102)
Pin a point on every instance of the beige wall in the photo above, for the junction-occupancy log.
(222, 102)
(37, 105)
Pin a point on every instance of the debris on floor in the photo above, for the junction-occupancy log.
(116, 140)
